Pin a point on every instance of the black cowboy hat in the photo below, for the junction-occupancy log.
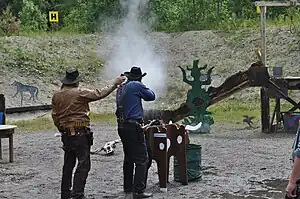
(71, 77)
(135, 73)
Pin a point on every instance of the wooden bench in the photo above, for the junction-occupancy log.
(6, 131)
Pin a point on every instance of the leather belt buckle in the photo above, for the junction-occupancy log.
(72, 131)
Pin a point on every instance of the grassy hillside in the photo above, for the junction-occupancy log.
(48, 56)
(39, 60)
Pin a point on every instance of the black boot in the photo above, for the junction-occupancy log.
(79, 197)
(66, 196)
(142, 195)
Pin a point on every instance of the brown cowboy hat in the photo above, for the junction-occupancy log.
(135, 73)
(71, 77)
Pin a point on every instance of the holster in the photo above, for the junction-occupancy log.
(140, 132)
(80, 131)
(90, 137)
(76, 131)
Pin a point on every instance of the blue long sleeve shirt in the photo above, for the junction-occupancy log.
(130, 96)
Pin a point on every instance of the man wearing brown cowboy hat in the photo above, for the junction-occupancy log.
(130, 118)
(70, 113)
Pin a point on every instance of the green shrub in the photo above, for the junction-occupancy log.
(9, 24)
(31, 17)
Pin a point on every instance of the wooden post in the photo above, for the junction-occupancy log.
(265, 110)
(11, 148)
(265, 101)
(263, 12)
(276, 113)
(278, 116)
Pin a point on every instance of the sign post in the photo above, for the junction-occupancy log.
(261, 6)
(53, 17)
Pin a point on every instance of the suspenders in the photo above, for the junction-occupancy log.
(120, 111)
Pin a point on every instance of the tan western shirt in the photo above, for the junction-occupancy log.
(70, 106)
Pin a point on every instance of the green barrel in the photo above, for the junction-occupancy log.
(193, 153)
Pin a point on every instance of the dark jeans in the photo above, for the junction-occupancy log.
(135, 152)
(75, 147)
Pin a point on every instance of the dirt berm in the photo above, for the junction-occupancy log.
(41, 60)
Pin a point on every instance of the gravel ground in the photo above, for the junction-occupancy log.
(237, 163)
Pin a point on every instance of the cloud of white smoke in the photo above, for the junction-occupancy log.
(131, 46)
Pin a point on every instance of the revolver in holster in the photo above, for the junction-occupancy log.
(90, 137)
(140, 132)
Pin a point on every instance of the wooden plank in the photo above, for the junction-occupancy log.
(272, 85)
(28, 109)
(11, 148)
(292, 82)
(277, 3)
(230, 92)
(294, 108)
(291, 78)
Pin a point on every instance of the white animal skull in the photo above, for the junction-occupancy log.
(108, 148)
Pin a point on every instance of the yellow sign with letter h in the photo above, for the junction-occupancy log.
(53, 16)
(257, 9)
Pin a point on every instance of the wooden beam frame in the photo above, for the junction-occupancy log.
(276, 3)
(265, 110)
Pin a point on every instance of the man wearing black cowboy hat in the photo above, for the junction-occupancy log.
(130, 118)
(70, 113)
